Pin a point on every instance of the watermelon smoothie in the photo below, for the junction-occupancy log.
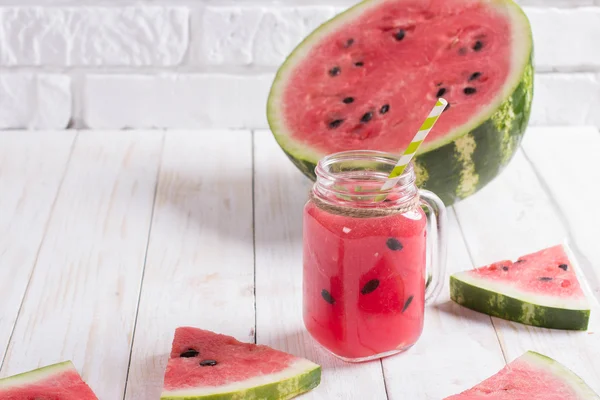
(365, 259)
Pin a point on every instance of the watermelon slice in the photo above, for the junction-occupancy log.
(206, 365)
(531, 377)
(368, 78)
(539, 289)
(54, 382)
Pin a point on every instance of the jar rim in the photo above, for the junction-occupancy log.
(381, 157)
(338, 173)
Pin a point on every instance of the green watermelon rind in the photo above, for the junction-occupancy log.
(524, 310)
(37, 375)
(465, 160)
(299, 378)
(562, 373)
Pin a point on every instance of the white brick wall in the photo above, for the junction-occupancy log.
(209, 63)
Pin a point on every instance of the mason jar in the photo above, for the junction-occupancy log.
(372, 258)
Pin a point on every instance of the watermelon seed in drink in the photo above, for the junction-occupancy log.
(327, 296)
(370, 286)
(408, 301)
(394, 244)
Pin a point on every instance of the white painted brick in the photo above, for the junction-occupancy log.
(566, 99)
(86, 36)
(281, 30)
(176, 101)
(566, 38)
(227, 34)
(34, 101)
(256, 35)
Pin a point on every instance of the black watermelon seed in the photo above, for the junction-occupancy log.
(385, 108)
(335, 123)
(408, 301)
(564, 267)
(545, 279)
(469, 90)
(327, 296)
(335, 71)
(520, 261)
(348, 100)
(478, 45)
(367, 117)
(370, 286)
(474, 76)
(440, 92)
(349, 42)
(462, 51)
(189, 353)
(208, 363)
(505, 268)
(400, 34)
(394, 244)
(359, 64)
(447, 108)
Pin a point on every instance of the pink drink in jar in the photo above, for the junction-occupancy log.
(365, 257)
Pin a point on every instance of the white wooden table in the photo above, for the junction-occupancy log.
(110, 240)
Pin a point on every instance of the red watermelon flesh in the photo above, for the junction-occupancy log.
(530, 377)
(548, 272)
(204, 363)
(55, 382)
(371, 83)
(366, 297)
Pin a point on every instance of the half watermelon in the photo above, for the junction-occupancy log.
(368, 78)
(54, 382)
(540, 289)
(210, 366)
(531, 376)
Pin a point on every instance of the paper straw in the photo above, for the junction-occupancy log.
(414, 145)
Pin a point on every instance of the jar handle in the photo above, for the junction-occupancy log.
(436, 244)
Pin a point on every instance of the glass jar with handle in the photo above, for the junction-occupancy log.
(372, 258)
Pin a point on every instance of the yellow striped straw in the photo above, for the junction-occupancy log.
(412, 148)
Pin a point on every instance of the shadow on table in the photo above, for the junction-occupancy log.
(300, 344)
(460, 312)
(226, 206)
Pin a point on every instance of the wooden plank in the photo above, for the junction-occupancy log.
(280, 193)
(83, 294)
(452, 338)
(573, 186)
(32, 165)
(513, 216)
(510, 217)
(200, 268)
